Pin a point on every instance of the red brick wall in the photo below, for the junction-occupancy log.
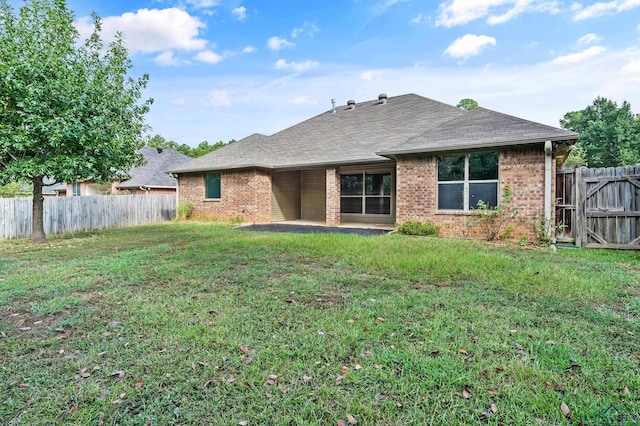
(245, 195)
(522, 170)
(333, 198)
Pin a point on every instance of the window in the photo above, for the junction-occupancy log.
(76, 189)
(212, 186)
(463, 180)
(365, 193)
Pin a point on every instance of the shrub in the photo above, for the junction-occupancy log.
(412, 227)
(494, 222)
(185, 209)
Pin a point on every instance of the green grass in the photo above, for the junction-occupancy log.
(190, 323)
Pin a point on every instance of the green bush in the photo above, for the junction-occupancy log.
(185, 209)
(412, 227)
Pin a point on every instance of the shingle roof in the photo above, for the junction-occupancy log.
(372, 131)
(251, 151)
(479, 128)
(154, 174)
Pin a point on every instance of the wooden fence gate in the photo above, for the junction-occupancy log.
(599, 208)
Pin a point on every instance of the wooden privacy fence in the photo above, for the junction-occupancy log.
(599, 208)
(72, 214)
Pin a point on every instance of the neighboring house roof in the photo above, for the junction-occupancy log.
(155, 173)
(52, 188)
(374, 131)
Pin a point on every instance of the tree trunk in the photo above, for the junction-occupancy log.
(38, 211)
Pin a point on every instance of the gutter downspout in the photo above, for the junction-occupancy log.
(548, 161)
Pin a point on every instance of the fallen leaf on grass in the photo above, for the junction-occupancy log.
(139, 383)
(245, 349)
(380, 319)
(493, 392)
(208, 383)
(465, 392)
(494, 407)
(307, 378)
(351, 321)
(358, 367)
(269, 382)
(626, 391)
(243, 423)
(102, 395)
(118, 373)
(550, 342)
(344, 369)
(565, 409)
(463, 351)
(247, 360)
(342, 422)
(351, 419)
(16, 382)
(101, 419)
(380, 396)
(339, 379)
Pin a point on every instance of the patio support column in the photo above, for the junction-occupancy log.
(333, 198)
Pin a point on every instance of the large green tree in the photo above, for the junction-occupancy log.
(68, 109)
(609, 135)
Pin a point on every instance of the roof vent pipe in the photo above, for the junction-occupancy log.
(333, 103)
(351, 104)
(159, 150)
(382, 98)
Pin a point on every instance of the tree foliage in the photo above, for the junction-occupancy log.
(467, 103)
(609, 135)
(14, 189)
(204, 147)
(69, 110)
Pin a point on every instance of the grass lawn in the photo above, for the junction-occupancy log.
(199, 324)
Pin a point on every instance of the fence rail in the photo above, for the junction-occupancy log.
(72, 214)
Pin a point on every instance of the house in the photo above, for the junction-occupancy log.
(384, 161)
(150, 178)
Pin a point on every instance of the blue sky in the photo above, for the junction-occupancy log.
(223, 69)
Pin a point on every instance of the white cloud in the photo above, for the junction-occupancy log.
(604, 8)
(469, 45)
(302, 100)
(574, 58)
(418, 19)
(277, 43)
(370, 75)
(166, 59)
(203, 4)
(632, 68)
(219, 98)
(240, 13)
(249, 49)
(308, 28)
(381, 6)
(208, 57)
(458, 12)
(299, 67)
(151, 30)
(589, 39)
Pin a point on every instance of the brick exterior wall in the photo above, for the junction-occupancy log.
(245, 195)
(522, 170)
(333, 197)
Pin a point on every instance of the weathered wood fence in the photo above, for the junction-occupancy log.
(599, 208)
(72, 214)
